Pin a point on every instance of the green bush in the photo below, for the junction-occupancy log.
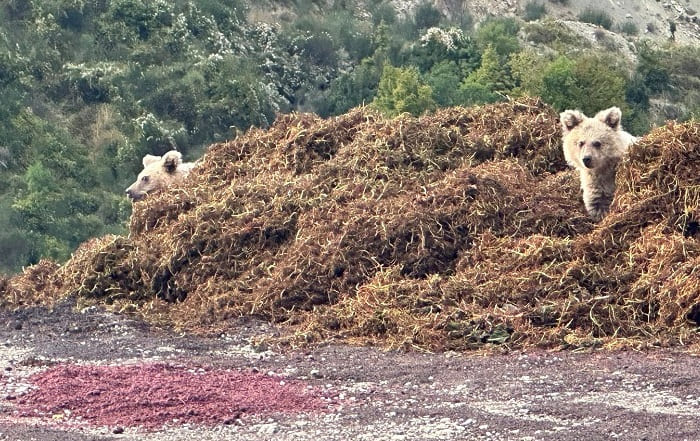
(596, 17)
(629, 28)
(534, 10)
(527, 68)
(487, 84)
(653, 68)
(472, 94)
(401, 90)
(350, 89)
(383, 13)
(559, 83)
(426, 16)
(437, 45)
(637, 93)
(590, 83)
(444, 79)
(141, 17)
(554, 34)
(492, 73)
(19, 9)
(501, 34)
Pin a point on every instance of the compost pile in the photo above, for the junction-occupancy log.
(451, 231)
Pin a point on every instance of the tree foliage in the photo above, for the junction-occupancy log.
(401, 90)
(500, 34)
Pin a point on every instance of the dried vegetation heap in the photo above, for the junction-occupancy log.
(449, 231)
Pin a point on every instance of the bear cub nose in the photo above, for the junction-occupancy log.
(587, 161)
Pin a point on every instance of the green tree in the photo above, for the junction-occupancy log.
(590, 83)
(501, 34)
(438, 45)
(401, 90)
(492, 74)
(444, 80)
(472, 94)
(426, 16)
(601, 82)
(59, 202)
(487, 83)
(350, 89)
(527, 68)
(237, 96)
(559, 87)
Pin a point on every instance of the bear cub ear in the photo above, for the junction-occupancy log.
(611, 117)
(149, 159)
(171, 161)
(570, 119)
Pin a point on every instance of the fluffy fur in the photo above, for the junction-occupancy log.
(595, 146)
(158, 172)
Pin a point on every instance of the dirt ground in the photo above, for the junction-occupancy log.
(375, 395)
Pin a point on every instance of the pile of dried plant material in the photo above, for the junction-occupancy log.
(36, 285)
(458, 230)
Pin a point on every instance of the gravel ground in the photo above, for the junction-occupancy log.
(379, 395)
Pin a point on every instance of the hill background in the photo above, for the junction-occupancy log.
(89, 87)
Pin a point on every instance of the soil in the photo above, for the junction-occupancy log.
(91, 375)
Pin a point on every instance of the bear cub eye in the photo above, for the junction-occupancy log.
(581, 143)
(596, 144)
(145, 179)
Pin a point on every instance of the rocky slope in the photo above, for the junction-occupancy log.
(652, 17)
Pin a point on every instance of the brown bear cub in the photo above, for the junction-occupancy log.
(159, 172)
(595, 146)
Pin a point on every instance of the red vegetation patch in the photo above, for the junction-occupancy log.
(154, 395)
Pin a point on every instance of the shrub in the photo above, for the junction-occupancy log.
(319, 48)
(426, 16)
(492, 73)
(444, 79)
(383, 12)
(629, 28)
(596, 17)
(401, 90)
(554, 34)
(558, 82)
(472, 94)
(437, 45)
(599, 35)
(534, 10)
(501, 34)
(527, 68)
(653, 69)
(590, 82)
(350, 89)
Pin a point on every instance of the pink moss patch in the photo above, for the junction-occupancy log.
(153, 395)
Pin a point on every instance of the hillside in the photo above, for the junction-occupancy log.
(651, 17)
(450, 231)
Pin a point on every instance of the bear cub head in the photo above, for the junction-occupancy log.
(594, 143)
(158, 172)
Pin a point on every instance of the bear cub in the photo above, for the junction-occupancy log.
(159, 172)
(595, 146)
